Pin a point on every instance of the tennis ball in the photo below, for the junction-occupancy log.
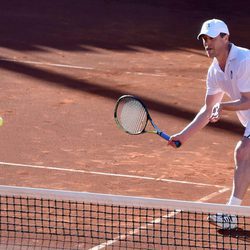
(1, 121)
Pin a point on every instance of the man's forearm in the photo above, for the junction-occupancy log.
(199, 122)
(241, 104)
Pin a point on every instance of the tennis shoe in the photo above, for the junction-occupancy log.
(224, 221)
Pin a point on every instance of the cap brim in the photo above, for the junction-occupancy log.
(213, 35)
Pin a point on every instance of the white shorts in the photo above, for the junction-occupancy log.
(247, 130)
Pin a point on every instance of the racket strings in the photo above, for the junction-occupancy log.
(132, 116)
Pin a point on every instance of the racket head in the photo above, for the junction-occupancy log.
(131, 115)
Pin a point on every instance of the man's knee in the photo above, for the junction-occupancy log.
(242, 151)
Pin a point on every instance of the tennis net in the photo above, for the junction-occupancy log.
(53, 219)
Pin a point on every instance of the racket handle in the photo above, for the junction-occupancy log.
(167, 137)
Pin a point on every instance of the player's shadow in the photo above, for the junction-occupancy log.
(238, 233)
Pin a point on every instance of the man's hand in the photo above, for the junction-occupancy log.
(216, 113)
(176, 137)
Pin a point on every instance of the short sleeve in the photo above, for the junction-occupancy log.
(212, 85)
(243, 76)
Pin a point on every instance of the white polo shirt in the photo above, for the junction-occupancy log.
(234, 80)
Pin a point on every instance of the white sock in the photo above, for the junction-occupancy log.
(234, 201)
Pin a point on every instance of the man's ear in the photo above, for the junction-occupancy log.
(226, 38)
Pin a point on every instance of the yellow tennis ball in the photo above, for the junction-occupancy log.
(1, 121)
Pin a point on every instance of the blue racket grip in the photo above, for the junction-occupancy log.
(167, 137)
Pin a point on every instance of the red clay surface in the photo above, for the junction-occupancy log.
(63, 116)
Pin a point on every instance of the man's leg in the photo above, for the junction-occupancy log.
(242, 170)
(240, 185)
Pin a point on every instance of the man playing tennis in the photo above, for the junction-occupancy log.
(228, 74)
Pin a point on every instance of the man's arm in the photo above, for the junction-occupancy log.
(200, 120)
(241, 104)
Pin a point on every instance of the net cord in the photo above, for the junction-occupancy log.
(121, 200)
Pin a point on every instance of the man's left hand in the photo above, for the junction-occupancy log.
(216, 113)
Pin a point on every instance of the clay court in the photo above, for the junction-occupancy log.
(63, 65)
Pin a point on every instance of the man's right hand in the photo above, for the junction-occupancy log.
(176, 137)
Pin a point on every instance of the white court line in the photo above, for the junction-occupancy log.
(156, 221)
(111, 174)
(79, 67)
(222, 189)
(47, 64)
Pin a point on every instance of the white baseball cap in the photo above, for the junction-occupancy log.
(213, 28)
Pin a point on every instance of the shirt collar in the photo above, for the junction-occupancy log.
(233, 52)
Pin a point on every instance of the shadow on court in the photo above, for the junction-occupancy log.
(56, 79)
(121, 25)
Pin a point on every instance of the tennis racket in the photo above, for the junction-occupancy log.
(132, 116)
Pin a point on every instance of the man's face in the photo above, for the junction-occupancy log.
(214, 46)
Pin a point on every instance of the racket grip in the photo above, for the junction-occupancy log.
(167, 137)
